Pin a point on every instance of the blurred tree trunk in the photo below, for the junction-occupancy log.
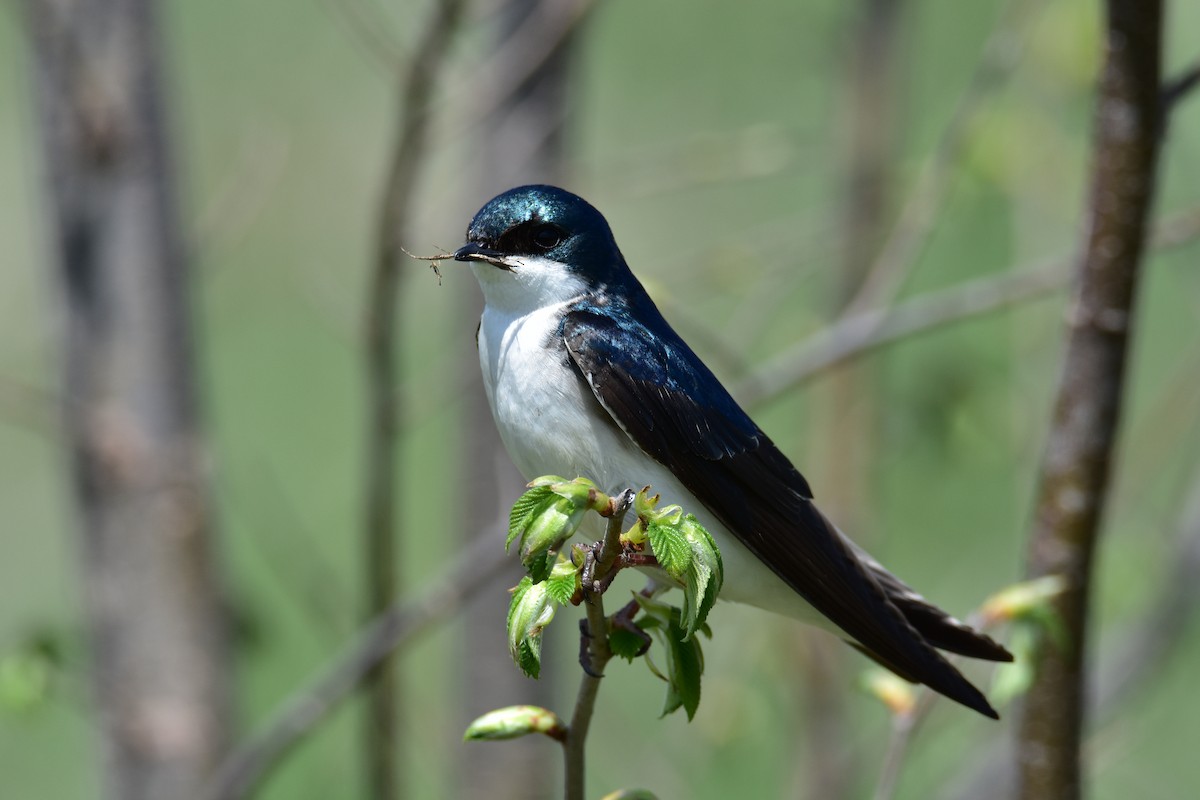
(522, 142)
(382, 747)
(870, 131)
(1077, 460)
(847, 421)
(160, 670)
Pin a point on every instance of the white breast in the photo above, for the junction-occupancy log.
(551, 423)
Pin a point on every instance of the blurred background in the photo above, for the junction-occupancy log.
(755, 161)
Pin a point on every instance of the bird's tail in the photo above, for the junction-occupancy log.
(938, 628)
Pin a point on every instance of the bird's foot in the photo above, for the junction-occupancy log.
(585, 649)
(623, 619)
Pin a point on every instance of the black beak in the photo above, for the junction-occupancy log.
(473, 251)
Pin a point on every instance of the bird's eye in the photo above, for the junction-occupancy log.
(547, 237)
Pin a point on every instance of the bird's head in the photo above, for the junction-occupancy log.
(538, 245)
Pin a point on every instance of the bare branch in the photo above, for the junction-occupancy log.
(1075, 466)
(599, 652)
(492, 84)
(403, 622)
(1127, 665)
(1180, 87)
(858, 334)
(242, 193)
(368, 26)
(904, 728)
(910, 232)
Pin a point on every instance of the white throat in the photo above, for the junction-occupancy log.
(532, 283)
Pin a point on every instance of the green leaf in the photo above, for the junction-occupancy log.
(25, 681)
(523, 510)
(529, 612)
(705, 575)
(549, 526)
(1010, 681)
(514, 721)
(625, 643)
(547, 515)
(562, 581)
(1023, 600)
(581, 492)
(539, 566)
(897, 694)
(630, 794)
(685, 660)
(670, 548)
(658, 613)
(686, 667)
(528, 657)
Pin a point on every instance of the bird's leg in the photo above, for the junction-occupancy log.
(585, 649)
(630, 556)
(587, 576)
(600, 565)
(623, 619)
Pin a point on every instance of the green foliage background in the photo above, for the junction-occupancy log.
(713, 137)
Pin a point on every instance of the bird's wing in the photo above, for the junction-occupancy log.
(665, 399)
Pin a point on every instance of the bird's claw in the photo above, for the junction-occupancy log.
(585, 649)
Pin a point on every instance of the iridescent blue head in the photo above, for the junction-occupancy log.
(544, 237)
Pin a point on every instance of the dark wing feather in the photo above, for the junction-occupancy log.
(664, 398)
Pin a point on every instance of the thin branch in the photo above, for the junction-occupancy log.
(1145, 650)
(1179, 88)
(368, 26)
(1076, 463)
(900, 250)
(904, 727)
(248, 765)
(599, 652)
(1128, 664)
(382, 481)
(906, 724)
(243, 191)
(492, 84)
(858, 334)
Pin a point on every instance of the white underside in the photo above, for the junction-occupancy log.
(551, 423)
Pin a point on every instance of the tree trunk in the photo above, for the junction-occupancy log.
(158, 646)
(1075, 466)
(523, 142)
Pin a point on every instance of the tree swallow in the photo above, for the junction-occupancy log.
(586, 378)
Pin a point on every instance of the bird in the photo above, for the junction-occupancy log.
(585, 377)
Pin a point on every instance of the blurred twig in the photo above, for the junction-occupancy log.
(1076, 463)
(382, 482)
(240, 196)
(899, 252)
(904, 727)
(1178, 88)
(523, 140)
(854, 335)
(290, 551)
(845, 429)
(254, 759)
(492, 83)
(1146, 647)
(368, 25)
(1128, 664)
